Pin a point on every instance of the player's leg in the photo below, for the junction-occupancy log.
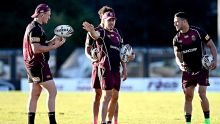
(96, 104)
(203, 83)
(189, 93)
(113, 107)
(116, 114)
(113, 104)
(188, 87)
(51, 96)
(35, 91)
(204, 103)
(106, 83)
(107, 94)
(95, 83)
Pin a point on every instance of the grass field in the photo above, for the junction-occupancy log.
(135, 108)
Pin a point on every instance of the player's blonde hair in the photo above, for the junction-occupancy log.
(105, 9)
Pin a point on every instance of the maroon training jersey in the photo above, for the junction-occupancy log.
(34, 34)
(109, 44)
(191, 45)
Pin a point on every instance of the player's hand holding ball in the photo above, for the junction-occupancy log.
(57, 41)
(208, 62)
(61, 33)
(131, 56)
(88, 27)
(126, 53)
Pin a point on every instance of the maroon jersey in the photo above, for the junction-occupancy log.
(109, 44)
(191, 45)
(34, 34)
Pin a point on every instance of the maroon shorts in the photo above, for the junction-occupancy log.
(39, 73)
(105, 79)
(201, 78)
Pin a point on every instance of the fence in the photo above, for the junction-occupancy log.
(149, 62)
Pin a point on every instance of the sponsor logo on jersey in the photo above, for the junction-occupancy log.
(189, 50)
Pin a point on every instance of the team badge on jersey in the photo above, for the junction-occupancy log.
(193, 38)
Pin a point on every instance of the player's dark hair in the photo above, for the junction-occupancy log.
(182, 15)
(105, 9)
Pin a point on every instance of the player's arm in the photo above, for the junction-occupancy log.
(88, 52)
(210, 44)
(213, 51)
(124, 71)
(91, 30)
(38, 48)
(56, 39)
(88, 48)
(178, 58)
(131, 57)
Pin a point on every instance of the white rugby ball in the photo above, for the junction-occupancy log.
(63, 31)
(94, 54)
(126, 51)
(206, 61)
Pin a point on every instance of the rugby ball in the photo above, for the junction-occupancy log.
(125, 52)
(94, 54)
(63, 31)
(206, 61)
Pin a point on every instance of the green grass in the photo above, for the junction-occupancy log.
(134, 108)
